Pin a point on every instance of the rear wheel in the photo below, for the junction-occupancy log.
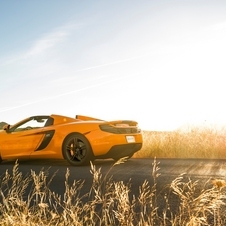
(77, 150)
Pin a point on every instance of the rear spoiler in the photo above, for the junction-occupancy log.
(123, 123)
(118, 123)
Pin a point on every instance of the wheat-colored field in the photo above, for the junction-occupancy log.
(195, 142)
(111, 203)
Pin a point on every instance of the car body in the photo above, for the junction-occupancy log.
(79, 140)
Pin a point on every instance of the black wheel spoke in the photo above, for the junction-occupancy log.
(83, 147)
(72, 157)
(79, 156)
(76, 143)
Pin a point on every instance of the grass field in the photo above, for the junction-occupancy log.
(196, 142)
(111, 203)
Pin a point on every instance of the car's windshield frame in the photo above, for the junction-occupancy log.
(33, 122)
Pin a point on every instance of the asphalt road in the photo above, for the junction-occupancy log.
(135, 171)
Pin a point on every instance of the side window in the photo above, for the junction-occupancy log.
(31, 124)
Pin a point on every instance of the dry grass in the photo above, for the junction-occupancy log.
(27, 200)
(196, 142)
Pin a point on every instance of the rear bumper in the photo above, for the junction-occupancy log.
(120, 151)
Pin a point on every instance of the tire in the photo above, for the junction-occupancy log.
(77, 150)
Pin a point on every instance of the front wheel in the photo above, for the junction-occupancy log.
(77, 150)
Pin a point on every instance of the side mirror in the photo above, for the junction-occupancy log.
(6, 127)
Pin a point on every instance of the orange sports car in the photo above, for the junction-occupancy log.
(79, 140)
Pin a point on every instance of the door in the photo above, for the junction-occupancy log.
(20, 144)
(22, 139)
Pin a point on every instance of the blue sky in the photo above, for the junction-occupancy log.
(161, 63)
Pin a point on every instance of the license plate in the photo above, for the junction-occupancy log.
(130, 139)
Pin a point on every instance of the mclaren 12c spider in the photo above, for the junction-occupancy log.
(78, 140)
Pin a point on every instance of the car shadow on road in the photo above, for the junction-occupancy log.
(55, 162)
